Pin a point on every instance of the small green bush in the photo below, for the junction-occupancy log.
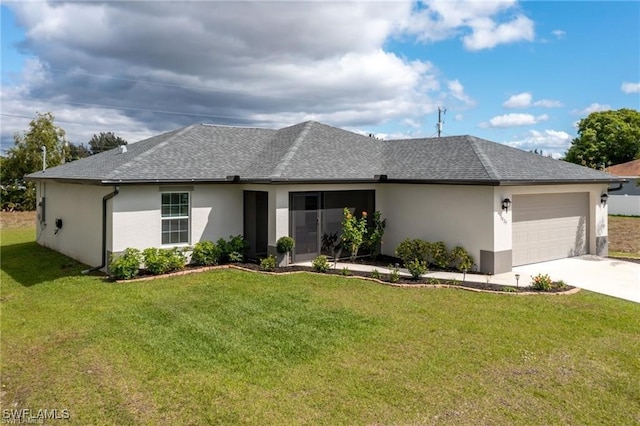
(162, 261)
(409, 250)
(438, 254)
(417, 268)
(233, 250)
(376, 274)
(268, 263)
(320, 264)
(345, 271)
(460, 259)
(205, 253)
(508, 289)
(285, 244)
(561, 284)
(541, 282)
(126, 265)
(394, 273)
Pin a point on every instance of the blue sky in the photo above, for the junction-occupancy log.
(519, 73)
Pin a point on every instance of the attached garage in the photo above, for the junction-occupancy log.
(550, 226)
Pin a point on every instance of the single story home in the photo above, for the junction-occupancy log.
(626, 200)
(506, 207)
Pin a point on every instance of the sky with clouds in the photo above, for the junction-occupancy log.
(519, 73)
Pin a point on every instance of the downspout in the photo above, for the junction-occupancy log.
(106, 198)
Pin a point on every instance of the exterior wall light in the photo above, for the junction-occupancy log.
(603, 199)
(506, 203)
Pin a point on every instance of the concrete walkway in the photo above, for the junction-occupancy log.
(601, 275)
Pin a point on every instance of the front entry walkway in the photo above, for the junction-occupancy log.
(612, 277)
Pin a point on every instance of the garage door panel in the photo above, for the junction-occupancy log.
(549, 226)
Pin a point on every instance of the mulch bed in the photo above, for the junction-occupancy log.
(403, 281)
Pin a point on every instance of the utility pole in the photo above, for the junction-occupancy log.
(441, 112)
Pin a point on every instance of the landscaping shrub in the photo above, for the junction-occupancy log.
(268, 263)
(353, 232)
(162, 261)
(205, 253)
(126, 265)
(394, 273)
(409, 250)
(285, 244)
(417, 268)
(320, 264)
(373, 238)
(438, 254)
(541, 282)
(376, 274)
(460, 259)
(233, 250)
(345, 271)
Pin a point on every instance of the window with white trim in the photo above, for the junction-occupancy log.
(175, 217)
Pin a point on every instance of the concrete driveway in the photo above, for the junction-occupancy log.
(612, 277)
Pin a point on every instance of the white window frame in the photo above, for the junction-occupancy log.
(164, 219)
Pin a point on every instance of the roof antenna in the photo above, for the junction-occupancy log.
(441, 112)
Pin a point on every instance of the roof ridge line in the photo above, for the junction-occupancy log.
(148, 152)
(484, 159)
(286, 158)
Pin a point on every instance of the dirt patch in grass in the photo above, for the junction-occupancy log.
(10, 220)
(624, 235)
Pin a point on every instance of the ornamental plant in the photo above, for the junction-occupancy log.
(541, 282)
(205, 253)
(268, 263)
(353, 232)
(126, 265)
(320, 264)
(374, 234)
(417, 268)
(461, 259)
(285, 244)
(161, 261)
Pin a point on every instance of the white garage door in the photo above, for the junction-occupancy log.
(549, 226)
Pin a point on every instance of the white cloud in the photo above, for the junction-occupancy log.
(458, 117)
(513, 119)
(485, 20)
(594, 107)
(630, 87)
(550, 142)
(488, 34)
(548, 103)
(521, 100)
(559, 34)
(457, 91)
(224, 62)
(525, 100)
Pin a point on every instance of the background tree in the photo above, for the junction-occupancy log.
(75, 152)
(104, 142)
(606, 138)
(26, 157)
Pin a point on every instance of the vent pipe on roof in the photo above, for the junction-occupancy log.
(44, 158)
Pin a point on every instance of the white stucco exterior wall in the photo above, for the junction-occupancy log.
(216, 212)
(455, 214)
(80, 208)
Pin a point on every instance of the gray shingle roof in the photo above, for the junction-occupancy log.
(312, 151)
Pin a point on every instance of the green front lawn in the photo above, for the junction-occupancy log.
(234, 347)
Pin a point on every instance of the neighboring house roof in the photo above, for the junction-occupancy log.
(315, 152)
(628, 169)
